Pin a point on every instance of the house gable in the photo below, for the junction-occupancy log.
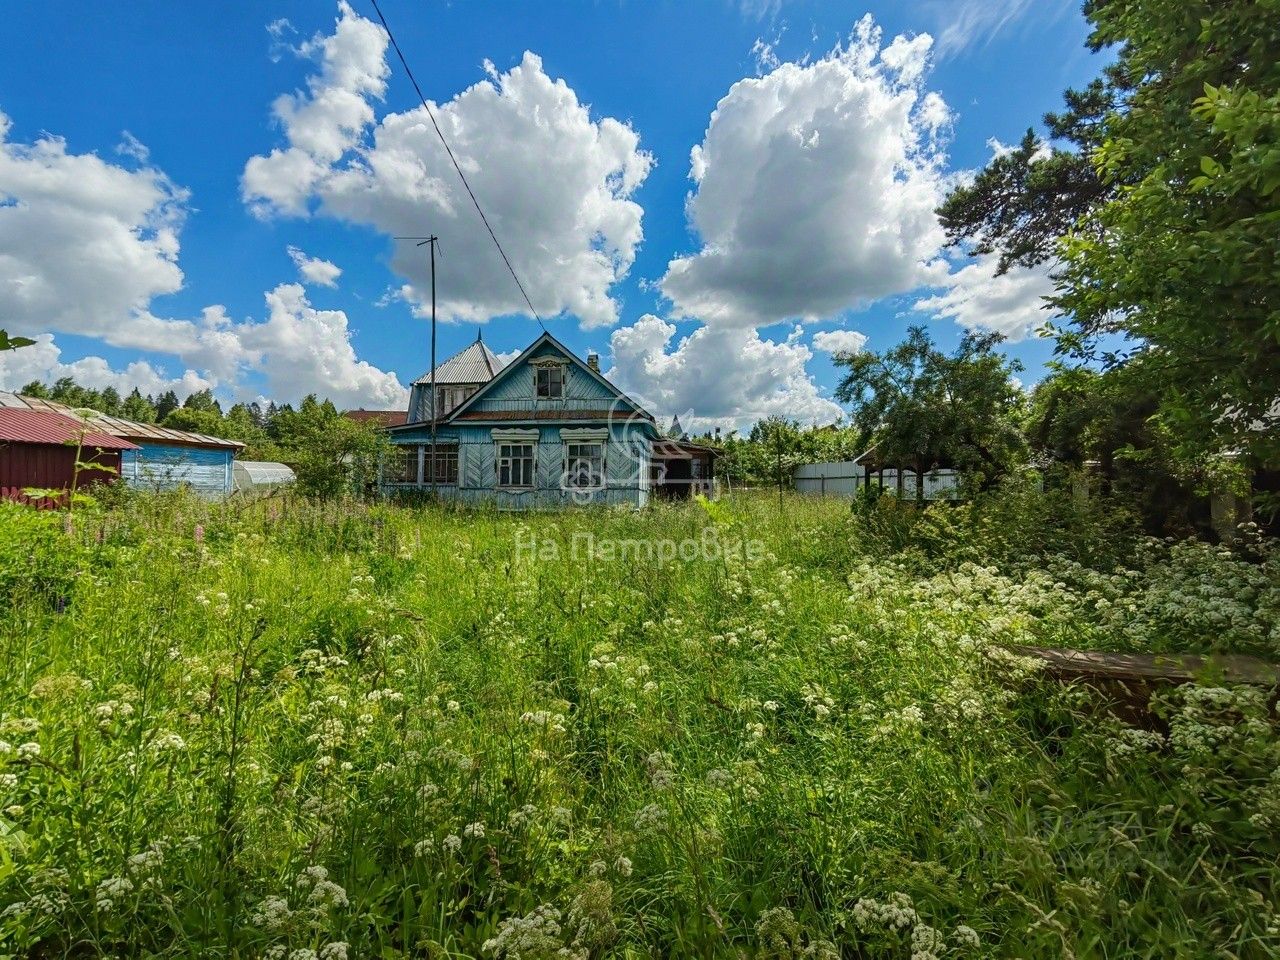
(512, 394)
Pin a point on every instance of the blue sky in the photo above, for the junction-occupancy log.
(138, 237)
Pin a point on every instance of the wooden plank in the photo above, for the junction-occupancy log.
(1067, 664)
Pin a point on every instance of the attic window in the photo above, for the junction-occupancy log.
(549, 381)
(447, 398)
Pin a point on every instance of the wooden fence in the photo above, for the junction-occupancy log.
(17, 495)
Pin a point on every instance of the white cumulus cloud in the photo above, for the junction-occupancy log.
(815, 188)
(302, 349)
(84, 244)
(43, 361)
(555, 184)
(839, 341)
(87, 245)
(716, 376)
(323, 273)
(1011, 304)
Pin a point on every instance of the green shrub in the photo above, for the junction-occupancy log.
(37, 562)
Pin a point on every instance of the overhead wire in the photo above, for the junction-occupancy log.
(456, 166)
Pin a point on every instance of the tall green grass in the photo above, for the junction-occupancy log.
(299, 730)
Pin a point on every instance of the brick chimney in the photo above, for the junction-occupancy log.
(593, 361)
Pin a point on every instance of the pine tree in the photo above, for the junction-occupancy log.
(138, 408)
(109, 401)
(167, 403)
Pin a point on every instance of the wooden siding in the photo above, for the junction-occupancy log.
(508, 404)
(513, 389)
(168, 466)
(626, 467)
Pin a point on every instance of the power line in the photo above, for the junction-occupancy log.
(471, 193)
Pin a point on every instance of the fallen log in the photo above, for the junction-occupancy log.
(1150, 668)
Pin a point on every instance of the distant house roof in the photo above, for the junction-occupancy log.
(383, 418)
(671, 449)
(20, 425)
(476, 364)
(118, 426)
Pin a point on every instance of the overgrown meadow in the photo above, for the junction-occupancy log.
(296, 730)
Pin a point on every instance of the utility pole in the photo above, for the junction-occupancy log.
(779, 448)
(432, 242)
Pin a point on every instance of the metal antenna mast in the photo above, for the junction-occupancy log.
(432, 241)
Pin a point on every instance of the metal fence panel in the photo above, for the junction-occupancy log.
(845, 479)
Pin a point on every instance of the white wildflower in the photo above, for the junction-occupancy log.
(272, 913)
(966, 936)
(650, 818)
(110, 890)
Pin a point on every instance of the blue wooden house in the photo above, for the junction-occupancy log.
(545, 430)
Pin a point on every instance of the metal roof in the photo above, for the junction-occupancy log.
(476, 364)
(118, 426)
(18, 425)
(383, 418)
(543, 414)
(669, 449)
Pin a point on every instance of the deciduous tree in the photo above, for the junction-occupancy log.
(925, 409)
(1159, 200)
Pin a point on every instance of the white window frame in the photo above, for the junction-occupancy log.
(515, 438)
(574, 456)
(549, 365)
(509, 459)
(584, 437)
(449, 398)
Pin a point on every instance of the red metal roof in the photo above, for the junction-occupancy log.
(45, 426)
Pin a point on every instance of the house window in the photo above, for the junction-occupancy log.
(583, 466)
(402, 466)
(550, 382)
(447, 398)
(446, 465)
(515, 464)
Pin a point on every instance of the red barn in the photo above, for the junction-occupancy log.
(38, 449)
